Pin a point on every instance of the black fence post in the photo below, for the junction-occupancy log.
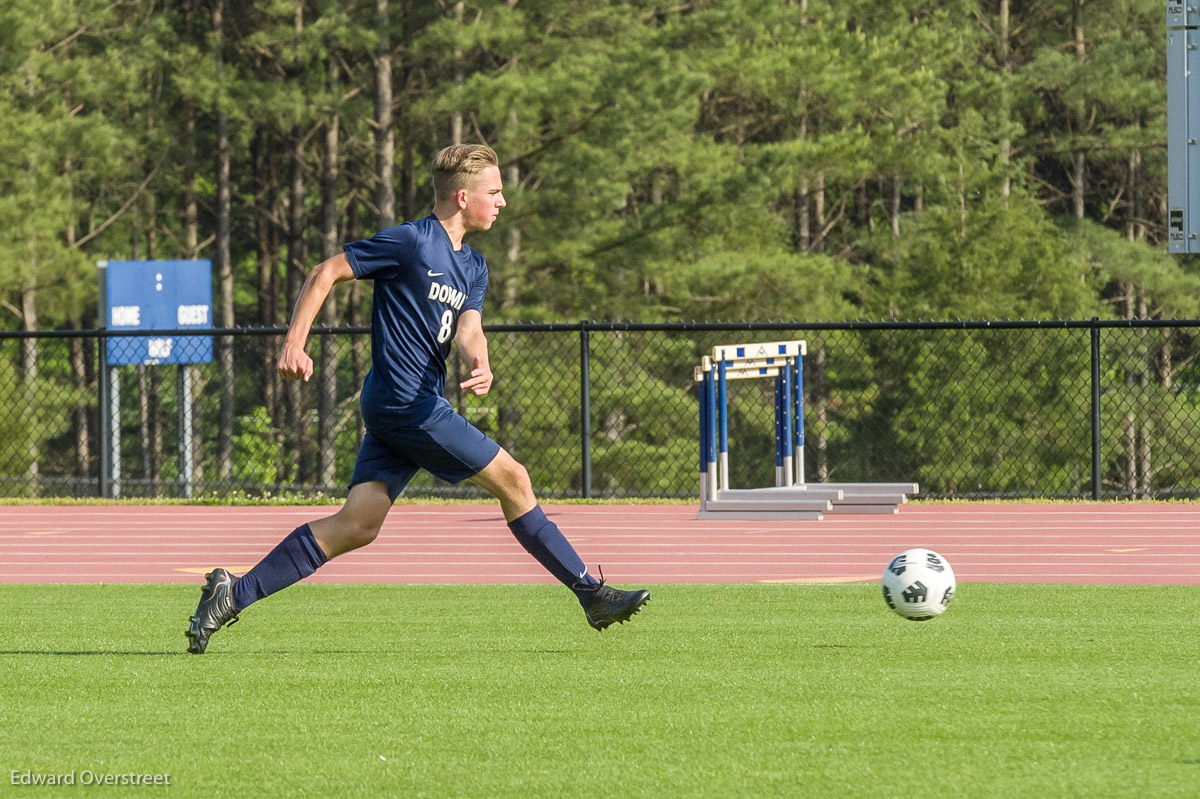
(585, 411)
(1096, 465)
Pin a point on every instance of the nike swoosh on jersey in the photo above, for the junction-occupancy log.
(432, 273)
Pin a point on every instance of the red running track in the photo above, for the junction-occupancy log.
(1142, 543)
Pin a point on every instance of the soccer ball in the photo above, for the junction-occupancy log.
(918, 584)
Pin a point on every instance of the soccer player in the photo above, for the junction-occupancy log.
(429, 288)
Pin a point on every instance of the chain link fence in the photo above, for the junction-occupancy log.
(1104, 409)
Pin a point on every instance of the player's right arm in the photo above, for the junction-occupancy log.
(294, 363)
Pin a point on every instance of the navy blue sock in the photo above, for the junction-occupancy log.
(293, 559)
(542, 539)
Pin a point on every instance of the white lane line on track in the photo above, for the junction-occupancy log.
(672, 569)
(439, 551)
(1181, 579)
(907, 514)
(832, 520)
(688, 530)
(593, 537)
(1120, 543)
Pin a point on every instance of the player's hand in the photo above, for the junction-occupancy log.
(294, 363)
(480, 380)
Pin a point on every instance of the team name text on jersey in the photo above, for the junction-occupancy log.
(447, 294)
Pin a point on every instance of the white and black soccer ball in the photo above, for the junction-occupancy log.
(918, 584)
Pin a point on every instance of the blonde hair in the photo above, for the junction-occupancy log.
(455, 167)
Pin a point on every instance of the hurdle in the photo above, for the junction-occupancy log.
(791, 498)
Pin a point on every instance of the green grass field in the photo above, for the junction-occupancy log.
(715, 690)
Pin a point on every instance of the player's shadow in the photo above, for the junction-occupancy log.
(120, 653)
(82, 653)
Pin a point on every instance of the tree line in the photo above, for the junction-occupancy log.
(710, 160)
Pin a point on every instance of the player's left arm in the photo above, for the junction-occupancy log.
(472, 344)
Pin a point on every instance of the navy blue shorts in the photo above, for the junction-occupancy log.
(444, 444)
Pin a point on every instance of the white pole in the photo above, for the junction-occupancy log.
(186, 465)
(114, 427)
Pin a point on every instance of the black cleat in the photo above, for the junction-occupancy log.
(214, 611)
(607, 604)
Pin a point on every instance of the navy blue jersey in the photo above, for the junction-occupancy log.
(422, 285)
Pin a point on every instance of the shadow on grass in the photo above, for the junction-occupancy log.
(256, 652)
(80, 653)
(247, 652)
